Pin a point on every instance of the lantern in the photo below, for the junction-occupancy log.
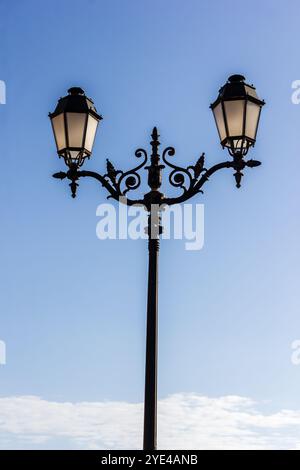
(74, 123)
(236, 112)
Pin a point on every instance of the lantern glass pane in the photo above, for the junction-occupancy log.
(234, 111)
(76, 129)
(74, 154)
(238, 144)
(252, 117)
(58, 126)
(90, 132)
(219, 118)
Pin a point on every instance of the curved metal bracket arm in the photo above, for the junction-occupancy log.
(238, 164)
(196, 186)
(190, 179)
(205, 177)
(116, 182)
(114, 193)
(74, 174)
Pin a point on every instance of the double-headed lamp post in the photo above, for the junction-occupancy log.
(75, 121)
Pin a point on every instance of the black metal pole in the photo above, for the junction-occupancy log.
(150, 403)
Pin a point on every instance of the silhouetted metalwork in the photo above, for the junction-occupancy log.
(190, 181)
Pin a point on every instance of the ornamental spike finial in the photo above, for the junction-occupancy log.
(73, 185)
(238, 178)
(155, 133)
(154, 170)
(155, 144)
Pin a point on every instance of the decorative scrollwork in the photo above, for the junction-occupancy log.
(141, 152)
(190, 180)
(132, 182)
(184, 178)
(124, 181)
(130, 179)
(177, 178)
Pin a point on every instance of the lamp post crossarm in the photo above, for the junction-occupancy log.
(113, 193)
(190, 179)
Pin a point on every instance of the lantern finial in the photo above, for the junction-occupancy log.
(75, 90)
(236, 78)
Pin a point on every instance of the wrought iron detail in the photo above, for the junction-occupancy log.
(190, 179)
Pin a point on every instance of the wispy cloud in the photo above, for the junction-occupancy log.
(186, 421)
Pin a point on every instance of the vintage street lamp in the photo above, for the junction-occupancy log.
(74, 122)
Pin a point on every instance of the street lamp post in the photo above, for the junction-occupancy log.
(75, 121)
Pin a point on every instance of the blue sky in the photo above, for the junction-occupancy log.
(72, 306)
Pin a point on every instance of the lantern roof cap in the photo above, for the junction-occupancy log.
(236, 88)
(75, 102)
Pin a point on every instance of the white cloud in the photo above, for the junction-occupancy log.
(186, 421)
